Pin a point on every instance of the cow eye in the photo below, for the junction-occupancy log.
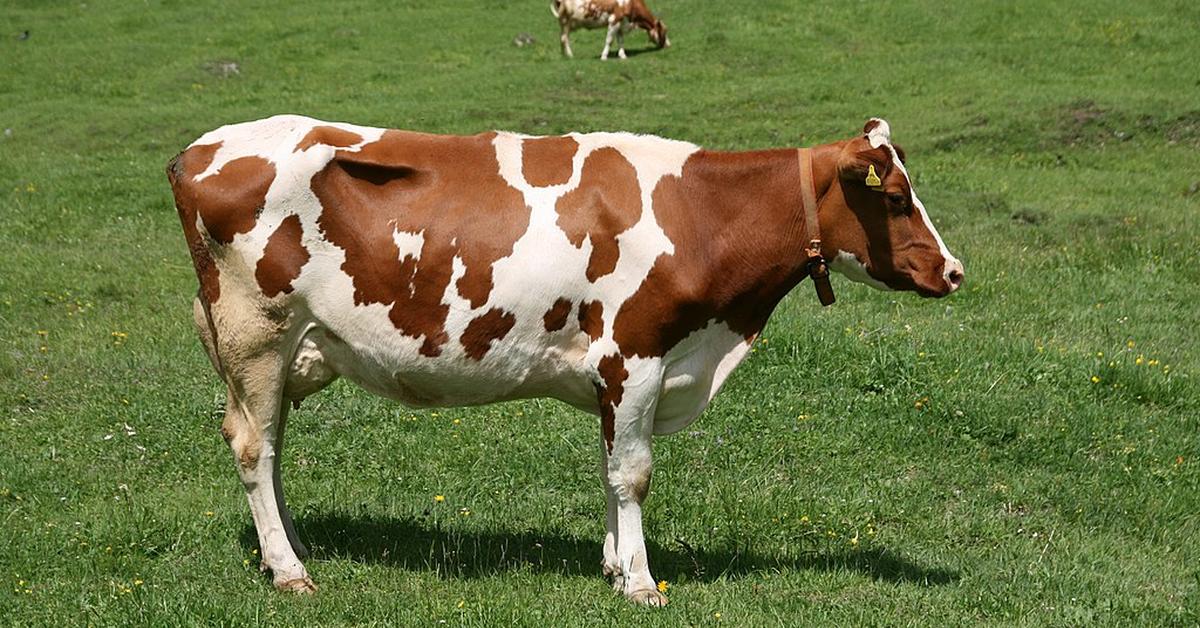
(898, 199)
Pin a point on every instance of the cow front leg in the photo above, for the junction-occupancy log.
(610, 565)
(613, 27)
(627, 418)
(621, 40)
(254, 417)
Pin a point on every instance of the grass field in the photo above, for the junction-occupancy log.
(1024, 452)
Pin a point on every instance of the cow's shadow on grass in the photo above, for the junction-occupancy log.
(424, 544)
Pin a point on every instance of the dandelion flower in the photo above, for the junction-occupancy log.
(663, 586)
(1095, 379)
(439, 498)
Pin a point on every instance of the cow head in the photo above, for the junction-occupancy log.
(874, 229)
(658, 33)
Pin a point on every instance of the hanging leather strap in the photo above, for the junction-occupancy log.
(818, 270)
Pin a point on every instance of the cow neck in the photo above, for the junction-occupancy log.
(741, 236)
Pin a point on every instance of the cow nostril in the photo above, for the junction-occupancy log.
(955, 277)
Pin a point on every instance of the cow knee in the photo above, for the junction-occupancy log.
(243, 439)
(631, 482)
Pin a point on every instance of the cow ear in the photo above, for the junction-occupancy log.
(877, 131)
(900, 153)
(863, 165)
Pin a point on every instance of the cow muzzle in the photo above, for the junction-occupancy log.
(952, 274)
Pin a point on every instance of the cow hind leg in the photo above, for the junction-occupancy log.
(254, 418)
(565, 40)
(251, 352)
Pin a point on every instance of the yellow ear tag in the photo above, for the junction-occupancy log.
(873, 181)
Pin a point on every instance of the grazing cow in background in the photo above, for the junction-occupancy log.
(626, 275)
(615, 15)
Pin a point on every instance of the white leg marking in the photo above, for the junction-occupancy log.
(629, 467)
(608, 38)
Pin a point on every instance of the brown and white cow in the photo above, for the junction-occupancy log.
(626, 275)
(617, 16)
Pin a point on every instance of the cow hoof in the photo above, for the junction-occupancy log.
(647, 597)
(297, 585)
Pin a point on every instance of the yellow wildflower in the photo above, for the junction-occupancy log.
(1095, 379)
(439, 498)
(663, 586)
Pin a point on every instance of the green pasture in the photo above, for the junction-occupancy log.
(1024, 452)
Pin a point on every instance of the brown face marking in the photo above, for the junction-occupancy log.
(330, 136)
(482, 330)
(546, 161)
(282, 259)
(180, 171)
(591, 318)
(606, 203)
(732, 251)
(612, 375)
(449, 190)
(875, 225)
(556, 317)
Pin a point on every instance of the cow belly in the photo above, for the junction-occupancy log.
(423, 382)
(693, 374)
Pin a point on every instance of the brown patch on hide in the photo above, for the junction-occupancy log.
(229, 201)
(180, 172)
(482, 330)
(612, 387)
(329, 136)
(591, 318)
(606, 203)
(547, 161)
(556, 317)
(733, 220)
(283, 258)
(446, 188)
